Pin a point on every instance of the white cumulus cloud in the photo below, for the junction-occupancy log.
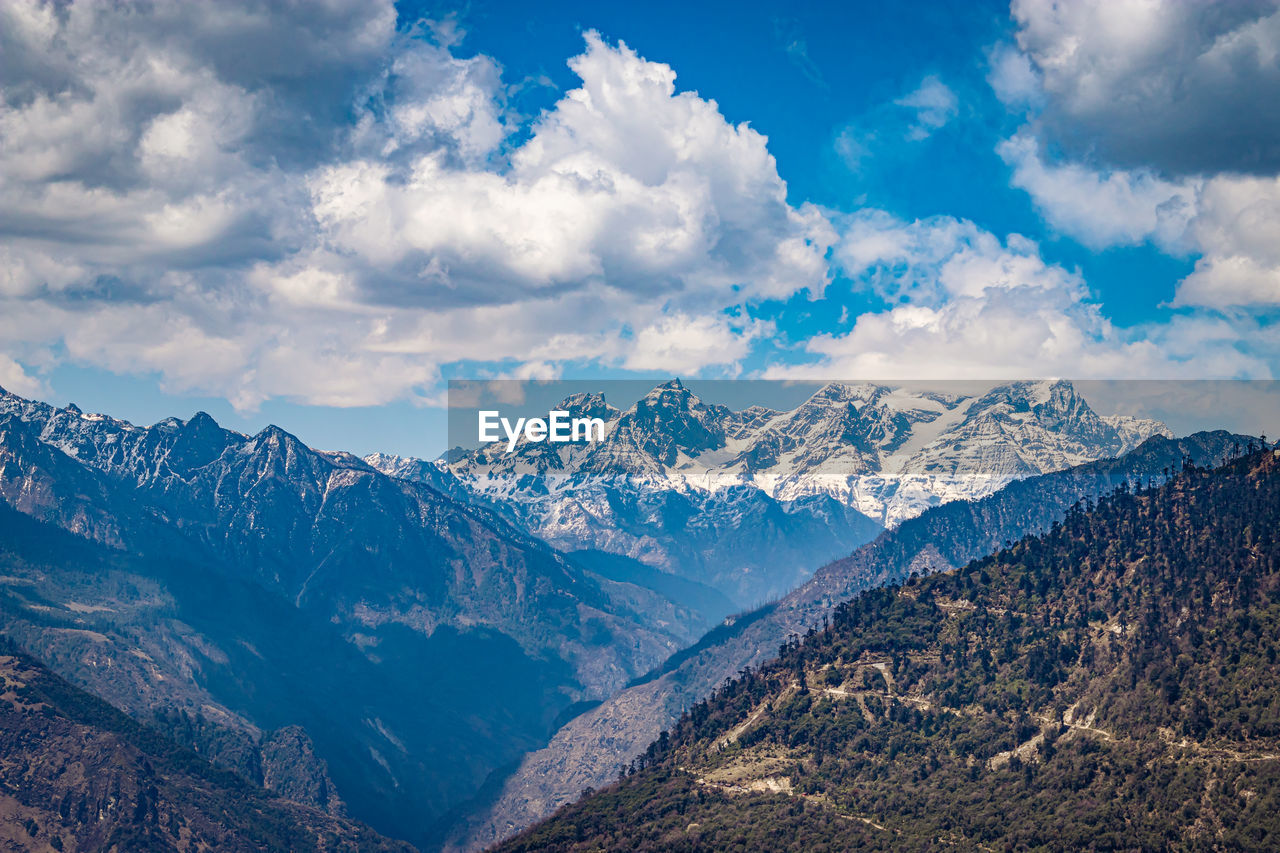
(965, 304)
(1103, 208)
(1165, 114)
(183, 190)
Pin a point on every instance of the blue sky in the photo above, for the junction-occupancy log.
(316, 216)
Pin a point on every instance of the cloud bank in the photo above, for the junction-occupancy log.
(966, 304)
(310, 203)
(1165, 114)
(333, 206)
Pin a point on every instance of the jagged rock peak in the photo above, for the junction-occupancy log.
(841, 392)
(589, 404)
(272, 435)
(668, 393)
(198, 442)
(673, 416)
(1037, 391)
(1044, 397)
(202, 421)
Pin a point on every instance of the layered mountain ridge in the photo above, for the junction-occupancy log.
(254, 584)
(724, 497)
(588, 750)
(294, 517)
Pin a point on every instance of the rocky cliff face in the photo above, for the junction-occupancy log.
(283, 761)
(78, 774)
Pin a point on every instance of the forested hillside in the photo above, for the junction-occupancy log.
(1112, 684)
(587, 751)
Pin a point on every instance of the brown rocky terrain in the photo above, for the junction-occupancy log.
(77, 774)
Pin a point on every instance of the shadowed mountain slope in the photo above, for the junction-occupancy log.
(78, 774)
(231, 587)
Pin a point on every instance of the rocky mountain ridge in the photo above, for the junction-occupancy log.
(264, 585)
(888, 451)
(752, 501)
(298, 518)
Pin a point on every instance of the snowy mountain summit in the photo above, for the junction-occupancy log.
(888, 452)
(751, 501)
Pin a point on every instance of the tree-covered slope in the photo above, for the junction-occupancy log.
(1112, 684)
(588, 750)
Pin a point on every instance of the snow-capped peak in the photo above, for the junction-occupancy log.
(889, 451)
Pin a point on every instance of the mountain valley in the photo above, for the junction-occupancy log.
(231, 587)
(331, 629)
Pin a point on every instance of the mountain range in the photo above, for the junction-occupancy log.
(589, 750)
(447, 652)
(242, 585)
(750, 502)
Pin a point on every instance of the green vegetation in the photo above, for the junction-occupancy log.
(1111, 685)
